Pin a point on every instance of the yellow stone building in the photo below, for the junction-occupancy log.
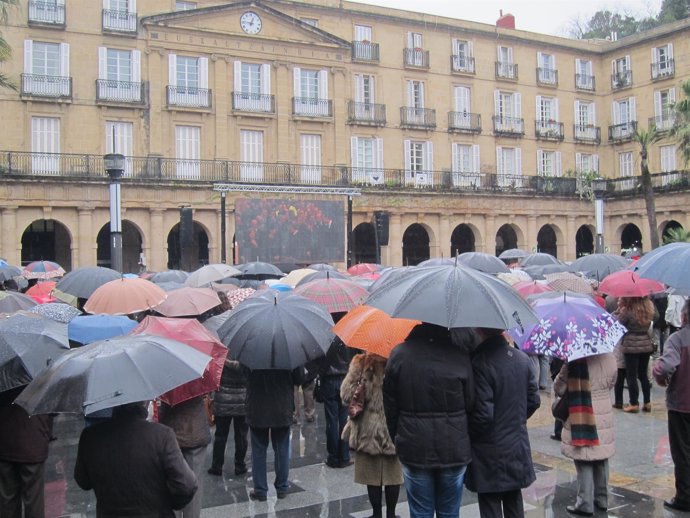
(468, 136)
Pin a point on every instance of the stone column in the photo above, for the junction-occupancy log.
(444, 236)
(86, 239)
(532, 233)
(490, 233)
(158, 80)
(570, 242)
(156, 252)
(393, 251)
(283, 75)
(11, 242)
(222, 105)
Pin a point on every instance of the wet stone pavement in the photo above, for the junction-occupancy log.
(641, 475)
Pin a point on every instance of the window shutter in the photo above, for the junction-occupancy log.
(655, 57)
(558, 167)
(498, 53)
(421, 95)
(633, 110)
(672, 95)
(429, 156)
(410, 40)
(354, 152)
(658, 109)
(172, 70)
(615, 113)
(455, 47)
(592, 113)
(136, 66)
(538, 107)
(510, 55)
(578, 162)
(323, 84)
(578, 119)
(237, 76)
(540, 57)
(359, 88)
(627, 63)
(497, 103)
(203, 73)
(475, 158)
(517, 99)
(540, 162)
(266, 79)
(614, 70)
(407, 145)
(470, 49)
(132, 6)
(595, 163)
(106, 4)
(669, 52)
(60, 2)
(28, 59)
(556, 114)
(372, 89)
(454, 158)
(499, 160)
(102, 63)
(518, 161)
(379, 153)
(64, 59)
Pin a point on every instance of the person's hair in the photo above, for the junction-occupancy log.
(640, 308)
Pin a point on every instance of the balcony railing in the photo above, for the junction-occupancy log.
(119, 21)
(621, 80)
(508, 126)
(464, 122)
(189, 97)
(119, 91)
(463, 64)
(622, 132)
(52, 87)
(506, 70)
(549, 130)
(312, 107)
(46, 13)
(663, 69)
(365, 51)
(420, 118)
(585, 82)
(253, 103)
(369, 114)
(416, 58)
(547, 76)
(662, 122)
(587, 133)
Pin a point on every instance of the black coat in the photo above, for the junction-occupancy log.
(428, 390)
(506, 396)
(22, 438)
(231, 397)
(270, 397)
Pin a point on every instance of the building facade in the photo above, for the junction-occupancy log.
(469, 136)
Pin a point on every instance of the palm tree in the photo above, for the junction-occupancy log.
(5, 49)
(681, 126)
(676, 235)
(645, 139)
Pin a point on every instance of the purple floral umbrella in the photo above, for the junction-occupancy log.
(569, 328)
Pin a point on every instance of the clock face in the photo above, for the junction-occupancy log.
(250, 22)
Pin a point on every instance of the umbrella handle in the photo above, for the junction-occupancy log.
(102, 398)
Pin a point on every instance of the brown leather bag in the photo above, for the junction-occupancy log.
(358, 400)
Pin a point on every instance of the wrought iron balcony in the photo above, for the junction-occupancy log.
(506, 70)
(312, 107)
(585, 82)
(368, 114)
(622, 132)
(119, 91)
(419, 118)
(462, 64)
(253, 103)
(365, 51)
(508, 126)
(119, 21)
(587, 133)
(46, 13)
(547, 76)
(464, 122)
(621, 80)
(51, 87)
(663, 69)
(663, 122)
(417, 58)
(189, 97)
(548, 130)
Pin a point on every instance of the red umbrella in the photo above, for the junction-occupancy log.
(188, 302)
(359, 269)
(190, 332)
(527, 288)
(627, 283)
(336, 295)
(42, 292)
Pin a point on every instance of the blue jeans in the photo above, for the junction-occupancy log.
(434, 490)
(336, 417)
(280, 438)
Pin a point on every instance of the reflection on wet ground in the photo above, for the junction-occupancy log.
(641, 475)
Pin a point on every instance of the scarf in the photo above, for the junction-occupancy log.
(583, 424)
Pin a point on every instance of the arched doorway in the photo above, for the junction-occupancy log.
(546, 241)
(506, 238)
(631, 237)
(192, 256)
(670, 225)
(364, 244)
(584, 241)
(47, 240)
(415, 245)
(131, 247)
(461, 240)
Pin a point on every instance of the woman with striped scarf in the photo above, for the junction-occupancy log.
(587, 435)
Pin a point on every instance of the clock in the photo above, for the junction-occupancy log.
(250, 22)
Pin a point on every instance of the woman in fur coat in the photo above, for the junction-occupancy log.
(376, 464)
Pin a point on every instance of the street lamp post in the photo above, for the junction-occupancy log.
(115, 166)
(599, 186)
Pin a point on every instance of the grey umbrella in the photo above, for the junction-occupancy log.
(28, 344)
(282, 333)
(11, 301)
(322, 274)
(258, 271)
(669, 264)
(437, 261)
(112, 372)
(177, 276)
(322, 266)
(513, 253)
(82, 282)
(539, 259)
(7, 272)
(209, 273)
(598, 266)
(537, 271)
(452, 296)
(483, 262)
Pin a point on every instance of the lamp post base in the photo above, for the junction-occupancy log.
(116, 251)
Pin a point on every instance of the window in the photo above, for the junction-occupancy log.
(119, 75)
(462, 58)
(45, 145)
(549, 163)
(508, 167)
(662, 61)
(584, 76)
(585, 121)
(546, 71)
(414, 53)
(46, 69)
(311, 92)
(547, 109)
(419, 162)
(118, 139)
(367, 160)
(621, 73)
(251, 155)
(252, 85)
(504, 66)
(668, 158)
(625, 169)
(45, 59)
(415, 94)
(415, 41)
(462, 117)
(310, 152)
(365, 91)
(508, 110)
(586, 163)
(188, 77)
(310, 21)
(188, 151)
(184, 6)
(120, 15)
(465, 165)
(663, 112)
(624, 118)
(363, 33)
(47, 11)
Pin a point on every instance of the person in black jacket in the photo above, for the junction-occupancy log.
(230, 406)
(506, 395)
(428, 391)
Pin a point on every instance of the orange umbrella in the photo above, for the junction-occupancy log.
(124, 297)
(372, 330)
(188, 302)
(41, 292)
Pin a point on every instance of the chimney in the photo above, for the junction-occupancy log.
(506, 21)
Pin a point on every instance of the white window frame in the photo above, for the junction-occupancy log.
(504, 57)
(182, 5)
(462, 100)
(245, 98)
(547, 68)
(118, 19)
(45, 145)
(119, 139)
(419, 162)
(549, 163)
(624, 113)
(667, 158)
(626, 169)
(113, 87)
(194, 92)
(251, 155)
(584, 74)
(619, 69)
(310, 158)
(463, 54)
(363, 33)
(41, 83)
(465, 165)
(311, 106)
(662, 61)
(664, 116)
(586, 163)
(508, 110)
(188, 152)
(509, 167)
(367, 160)
(415, 46)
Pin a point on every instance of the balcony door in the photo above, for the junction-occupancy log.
(310, 153)
(118, 139)
(45, 145)
(251, 155)
(188, 152)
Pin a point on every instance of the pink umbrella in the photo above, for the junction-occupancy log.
(525, 289)
(188, 302)
(124, 297)
(361, 268)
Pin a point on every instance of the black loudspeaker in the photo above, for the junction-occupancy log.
(186, 227)
(381, 226)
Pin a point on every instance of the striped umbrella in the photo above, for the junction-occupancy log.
(42, 270)
(336, 295)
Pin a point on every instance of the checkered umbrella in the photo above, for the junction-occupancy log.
(42, 270)
(566, 281)
(336, 295)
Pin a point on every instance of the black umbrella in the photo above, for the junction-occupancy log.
(286, 267)
(258, 271)
(82, 282)
(539, 259)
(437, 261)
(177, 276)
(483, 262)
(322, 274)
(280, 333)
(598, 266)
(322, 266)
(513, 253)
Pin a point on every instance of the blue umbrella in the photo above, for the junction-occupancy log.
(91, 328)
